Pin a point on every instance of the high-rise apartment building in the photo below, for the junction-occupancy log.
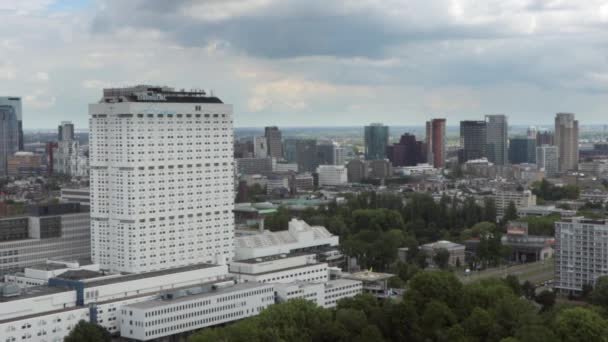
(69, 157)
(326, 153)
(522, 150)
(566, 139)
(547, 159)
(274, 140)
(376, 141)
(472, 140)
(65, 131)
(580, 253)
(162, 179)
(497, 130)
(435, 142)
(15, 103)
(9, 136)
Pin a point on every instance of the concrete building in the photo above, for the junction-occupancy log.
(376, 140)
(544, 210)
(525, 247)
(566, 139)
(497, 130)
(547, 159)
(522, 150)
(9, 136)
(545, 138)
(26, 164)
(472, 140)
(69, 157)
(406, 152)
(274, 140)
(162, 179)
(298, 237)
(260, 147)
(596, 168)
(522, 199)
(380, 168)
(14, 102)
(280, 268)
(285, 167)
(332, 175)
(57, 232)
(323, 294)
(254, 166)
(76, 195)
(374, 283)
(38, 275)
(456, 252)
(580, 253)
(50, 312)
(357, 170)
(435, 142)
(594, 196)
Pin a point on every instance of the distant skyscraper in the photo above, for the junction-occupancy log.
(544, 138)
(566, 139)
(9, 136)
(260, 147)
(547, 159)
(326, 153)
(435, 142)
(406, 152)
(497, 130)
(65, 131)
(376, 141)
(15, 102)
(274, 140)
(306, 155)
(522, 150)
(472, 140)
(290, 150)
(532, 132)
(162, 191)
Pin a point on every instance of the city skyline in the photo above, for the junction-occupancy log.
(462, 61)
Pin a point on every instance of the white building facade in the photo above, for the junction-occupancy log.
(332, 175)
(162, 179)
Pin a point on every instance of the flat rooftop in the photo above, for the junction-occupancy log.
(368, 276)
(204, 291)
(35, 291)
(273, 257)
(88, 277)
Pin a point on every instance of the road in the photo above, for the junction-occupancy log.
(536, 272)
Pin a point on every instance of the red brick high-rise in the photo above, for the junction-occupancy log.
(435, 142)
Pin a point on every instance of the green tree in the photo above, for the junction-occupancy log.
(441, 258)
(579, 324)
(599, 295)
(489, 210)
(510, 213)
(546, 298)
(85, 331)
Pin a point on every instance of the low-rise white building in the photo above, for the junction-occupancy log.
(182, 310)
(521, 199)
(280, 268)
(332, 175)
(323, 294)
(298, 237)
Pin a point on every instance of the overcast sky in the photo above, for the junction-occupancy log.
(314, 62)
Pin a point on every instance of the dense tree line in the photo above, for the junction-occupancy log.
(546, 191)
(435, 307)
(373, 226)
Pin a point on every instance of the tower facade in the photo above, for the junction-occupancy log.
(161, 179)
(497, 129)
(435, 142)
(566, 139)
